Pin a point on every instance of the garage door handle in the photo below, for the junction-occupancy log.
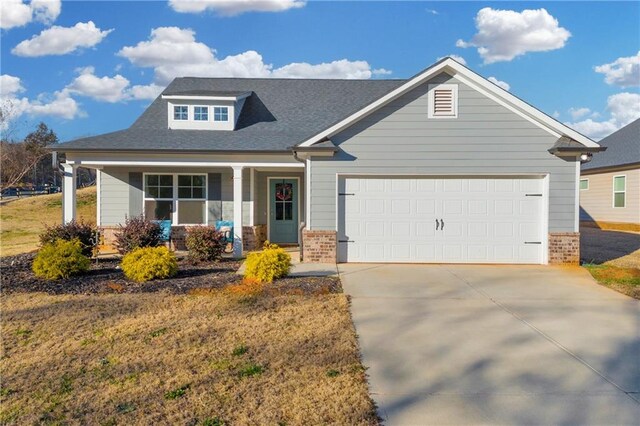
(441, 225)
(346, 241)
(437, 224)
(533, 242)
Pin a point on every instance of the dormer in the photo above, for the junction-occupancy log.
(204, 110)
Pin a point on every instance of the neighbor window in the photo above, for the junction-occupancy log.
(619, 191)
(201, 113)
(187, 193)
(220, 114)
(158, 197)
(180, 112)
(584, 184)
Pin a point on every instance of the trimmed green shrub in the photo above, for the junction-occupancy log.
(137, 232)
(60, 259)
(266, 265)
(204, 243)
(149, 263)
(83, 232)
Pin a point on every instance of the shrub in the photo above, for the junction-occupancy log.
(204, 243)
(83, 232)
(137, 232)
(60, 259)
(149, 263)
(266, 265)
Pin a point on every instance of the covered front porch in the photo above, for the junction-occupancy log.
(267, 197)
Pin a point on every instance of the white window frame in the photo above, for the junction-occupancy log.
(194, 113)
(584, 180)
(431, 100)
(214, 113)
(613, 186)
(174, 112)
(175, 200)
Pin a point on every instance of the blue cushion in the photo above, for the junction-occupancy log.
(165, 226)
(226, 224)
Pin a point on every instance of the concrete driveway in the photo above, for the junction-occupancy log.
(449, 344)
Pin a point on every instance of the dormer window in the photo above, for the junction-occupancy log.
(201, 113)
(180, 112)
(220, 114)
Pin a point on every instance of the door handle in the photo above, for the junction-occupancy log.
(437, 224)
(441, 225)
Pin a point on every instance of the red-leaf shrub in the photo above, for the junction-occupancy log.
(85, 233)
(137, 232)
(204, 243)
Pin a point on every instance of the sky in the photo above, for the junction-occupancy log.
(92, 67)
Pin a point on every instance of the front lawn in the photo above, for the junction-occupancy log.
(192, 359)
(624, 280)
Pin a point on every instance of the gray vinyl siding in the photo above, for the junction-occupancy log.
(486, 138)
(114, 196)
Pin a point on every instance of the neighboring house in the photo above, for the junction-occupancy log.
(442, 167)
(610, 183)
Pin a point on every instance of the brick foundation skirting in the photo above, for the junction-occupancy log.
(319, 246)
(564, 248)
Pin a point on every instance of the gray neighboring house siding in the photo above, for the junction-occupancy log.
(485, 138)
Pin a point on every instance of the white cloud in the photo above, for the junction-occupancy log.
(10, 85)
(432, 11)
(174, 52)
(505, 34)
(623, 109)
(15, 13)
(60, 104)
(234, 7)
(623, 72)
(110, 89)
(61, 40)
(500, 83)
(578, 113)
(455, 57)
(381, 71)
(107, 89)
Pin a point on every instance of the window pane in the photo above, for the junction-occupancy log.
(165, 192)
(157, 210)
(184, 192)
(198, 192)
(184, 180)
(191, 212)
(288, 211)
(279, 211)
(201, 113)
(166, 180)
(221, 114)
(152, 192)
(619, 183)
(198, 180)
(152, 179)
(618, 199)
(180, 113)
(584, 184)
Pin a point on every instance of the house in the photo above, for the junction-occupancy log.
(610, 183)
(442, 167)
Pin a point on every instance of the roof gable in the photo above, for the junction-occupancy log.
(623, 147)
(474, 81)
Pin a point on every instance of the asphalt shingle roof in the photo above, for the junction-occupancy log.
(279, 114)
(623, 147)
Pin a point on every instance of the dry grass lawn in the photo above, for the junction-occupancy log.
(623, 280)
(22, 220)
(162, 359)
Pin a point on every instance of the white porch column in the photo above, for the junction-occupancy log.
(68, 193)
(237, 211)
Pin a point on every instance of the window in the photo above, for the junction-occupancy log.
(443, 101)
(220, 114)
(283, 198)
(188, 193)
(180, 112)
(201, 113)
(619, 191)
(584, 184)
(158, 197)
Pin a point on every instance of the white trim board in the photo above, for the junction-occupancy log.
(475, 81)
(103, 163)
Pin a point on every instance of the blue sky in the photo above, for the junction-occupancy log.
(87, 68)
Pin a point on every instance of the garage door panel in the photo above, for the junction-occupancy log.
(485, 220)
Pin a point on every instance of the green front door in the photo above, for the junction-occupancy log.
(283, 213)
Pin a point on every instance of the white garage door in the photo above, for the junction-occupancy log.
(449, 220)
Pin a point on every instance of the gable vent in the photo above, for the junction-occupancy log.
(443, 102)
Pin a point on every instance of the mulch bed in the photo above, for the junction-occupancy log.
(105, 276)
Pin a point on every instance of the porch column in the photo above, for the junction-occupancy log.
(68, 193)
(237, 211)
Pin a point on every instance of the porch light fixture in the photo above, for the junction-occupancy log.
(585, 157)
